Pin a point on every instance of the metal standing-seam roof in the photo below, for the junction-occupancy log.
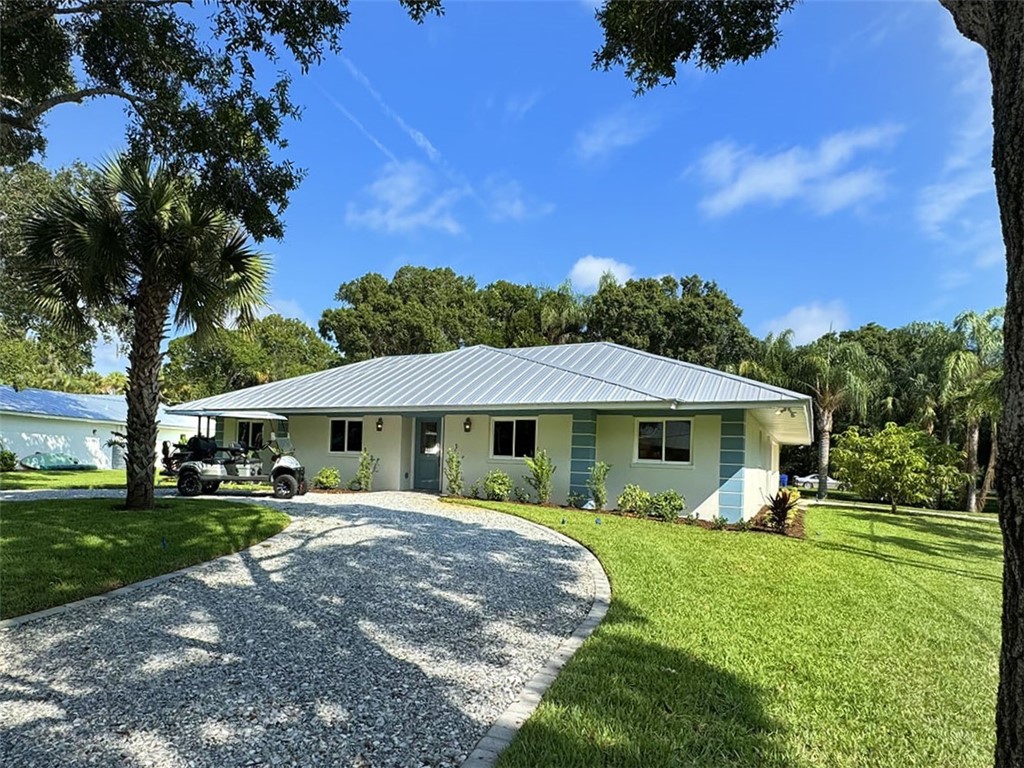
(592, 375)
(110, 409)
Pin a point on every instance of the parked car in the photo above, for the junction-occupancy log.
(811, 481)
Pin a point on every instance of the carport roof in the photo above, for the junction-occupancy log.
(597, 375)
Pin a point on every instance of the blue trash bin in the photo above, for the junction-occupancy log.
(783, 481)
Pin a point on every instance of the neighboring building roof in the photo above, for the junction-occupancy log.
(599, 374)
(110, 409)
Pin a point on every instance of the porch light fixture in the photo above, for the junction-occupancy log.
(467, 425)
(380, 424)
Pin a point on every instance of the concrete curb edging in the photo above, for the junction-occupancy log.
(127, 589)
(486, 752)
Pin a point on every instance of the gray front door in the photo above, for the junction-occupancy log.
(428, 455)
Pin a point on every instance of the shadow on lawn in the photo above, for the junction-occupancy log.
(331, 645)
(958, 542)
(632, 702)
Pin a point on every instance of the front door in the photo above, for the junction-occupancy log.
(428, 455)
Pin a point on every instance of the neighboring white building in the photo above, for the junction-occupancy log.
(660, 423)
(41, 421)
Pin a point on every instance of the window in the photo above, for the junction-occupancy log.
(346, 435)
(250, 434)
(513, 438)
(665, 440)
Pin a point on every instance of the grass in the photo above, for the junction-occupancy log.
(109, 479)
(53, 552)
(991, 503)
(872, 642)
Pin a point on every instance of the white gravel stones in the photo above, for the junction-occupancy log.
(381, 629)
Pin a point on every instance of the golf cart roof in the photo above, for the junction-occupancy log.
(250, 415)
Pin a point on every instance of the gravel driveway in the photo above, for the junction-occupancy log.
(385, 629)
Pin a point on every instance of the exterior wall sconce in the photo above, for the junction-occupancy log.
(467, 425)
(380, 424)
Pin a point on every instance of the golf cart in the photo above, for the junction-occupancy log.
(209, 465)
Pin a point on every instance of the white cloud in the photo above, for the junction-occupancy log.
(286, 308)
(820, 177)
(405, 198)
(607, 134)
(586, 273)
(505, 200)
(945, 206)
(107, 356)
(517, 106)
(811, 321)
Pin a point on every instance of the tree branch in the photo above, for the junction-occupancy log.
(30, 112)
(973, 18)
(89, 7)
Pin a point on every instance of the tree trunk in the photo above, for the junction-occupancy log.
(824, 445)
(144, 360)
(999, 28)
(971, 447)
(1006, 60)
(990, 471)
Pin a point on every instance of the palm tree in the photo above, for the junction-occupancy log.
(972, 385)
(563, 315)
(774, 362)
(837, 374)
(141, 239)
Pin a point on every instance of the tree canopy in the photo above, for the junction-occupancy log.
(273, 348)
(207, 93)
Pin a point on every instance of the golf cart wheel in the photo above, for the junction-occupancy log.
(303, 488)
(808, 485)
(285, 486)
(190, 485)
(211, 487)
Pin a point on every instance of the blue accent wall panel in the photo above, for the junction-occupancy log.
(584, 450)
(731, 460)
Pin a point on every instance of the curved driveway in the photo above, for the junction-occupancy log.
(385, 629)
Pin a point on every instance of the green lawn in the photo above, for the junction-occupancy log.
(872, 642)
(53, 552)
(111, 479)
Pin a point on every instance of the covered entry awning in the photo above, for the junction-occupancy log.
(216, 414)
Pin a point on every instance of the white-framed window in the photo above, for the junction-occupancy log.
(346, 436)
(663, 441)
(250, 434)
(513, 438)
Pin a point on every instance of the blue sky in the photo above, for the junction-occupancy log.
(843, 178)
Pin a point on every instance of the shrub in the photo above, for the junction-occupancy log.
(474, 490)
(667, 506)
(453, 471)
(742, 525)
(327, 478)
(542, 469)
(367, 469)
(898, 465)
(521, 495)
(719, 522)
(8, 460)
(779, 507)
(497, 485)
(634, 499)
(596, 484)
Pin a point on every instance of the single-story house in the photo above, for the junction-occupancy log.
(43, 421)
(660, 423)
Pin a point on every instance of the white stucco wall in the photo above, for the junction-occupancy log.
(761, 475)
(85, 440)
(698, 481)
(554, 435)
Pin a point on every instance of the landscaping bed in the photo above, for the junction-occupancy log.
(874, 641)
(55, 551)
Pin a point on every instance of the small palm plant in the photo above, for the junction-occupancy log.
(140, 239)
